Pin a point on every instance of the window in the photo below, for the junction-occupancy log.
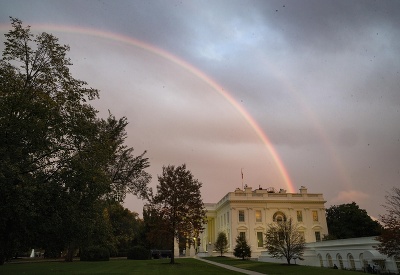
(317, 236)
(299, 216)
(227, 217)
(258, 216)
(241, 215)
(351, 260)
(315, 215)
(242, 235)
(321, 262)
(260, 239)
(340, 260)
(224, 219)
(329, 259)
(279, 217)
(302, 234)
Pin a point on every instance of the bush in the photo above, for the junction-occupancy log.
(95, 253)
(138, 253)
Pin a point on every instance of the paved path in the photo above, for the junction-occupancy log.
(241, 270)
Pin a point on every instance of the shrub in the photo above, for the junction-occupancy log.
(95, 253)
(138, 253)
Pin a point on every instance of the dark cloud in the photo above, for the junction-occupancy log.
(320, 78)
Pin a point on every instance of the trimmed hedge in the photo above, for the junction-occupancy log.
(95, 253)
(138, 253)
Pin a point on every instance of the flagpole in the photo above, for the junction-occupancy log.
(241, 170)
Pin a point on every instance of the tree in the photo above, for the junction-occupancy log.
(178, 204)
(390, 237)
(242, 249)
(156, 232)
(125, 226)
(221, 245)
(283, 240)
(349, 221)
(59, 161)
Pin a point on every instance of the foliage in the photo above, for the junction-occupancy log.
(95, 253)
(221, 245)
(390, 237)
(242, 249)
(283, 240)
(349, 221)
(138, 253)
(177, 206)
(59, 161)
(156, 231)
(125, 227)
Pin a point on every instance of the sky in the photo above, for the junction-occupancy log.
(291, 93)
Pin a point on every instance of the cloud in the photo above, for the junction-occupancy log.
(321, 79)
(350, 196)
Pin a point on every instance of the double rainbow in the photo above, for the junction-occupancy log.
(185, 65)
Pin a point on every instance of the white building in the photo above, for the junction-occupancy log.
(353, 254)
(248, 212)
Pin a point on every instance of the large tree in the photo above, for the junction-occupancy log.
(221, 245)
(284, 240)
(390, 237)
(59, 161)
(178, 204)
(349, 221)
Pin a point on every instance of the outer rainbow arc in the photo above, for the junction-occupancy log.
(343, 174)
(160, 52)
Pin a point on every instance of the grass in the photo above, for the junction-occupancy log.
(120, 266)
(274, 268)
(153, 267)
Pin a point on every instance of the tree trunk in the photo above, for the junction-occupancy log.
(288, 261)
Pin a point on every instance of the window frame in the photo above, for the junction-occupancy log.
(317, 236)
(241, 216)
(258, 239)
(299, 215)
(315, 216)
(258, 219)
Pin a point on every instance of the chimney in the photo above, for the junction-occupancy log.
(247, 189)
(303, 190)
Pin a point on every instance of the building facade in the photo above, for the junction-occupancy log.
(248, 212)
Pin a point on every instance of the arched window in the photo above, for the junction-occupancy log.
(279, 217)
(350, 258)
(363, 262)
(329, 260)
(340, 260)
(321, 262)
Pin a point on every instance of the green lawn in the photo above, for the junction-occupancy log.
(273, 268)
(153, 267)
(183, 266)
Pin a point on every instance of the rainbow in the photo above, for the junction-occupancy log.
(341, 169)
(195, 71)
